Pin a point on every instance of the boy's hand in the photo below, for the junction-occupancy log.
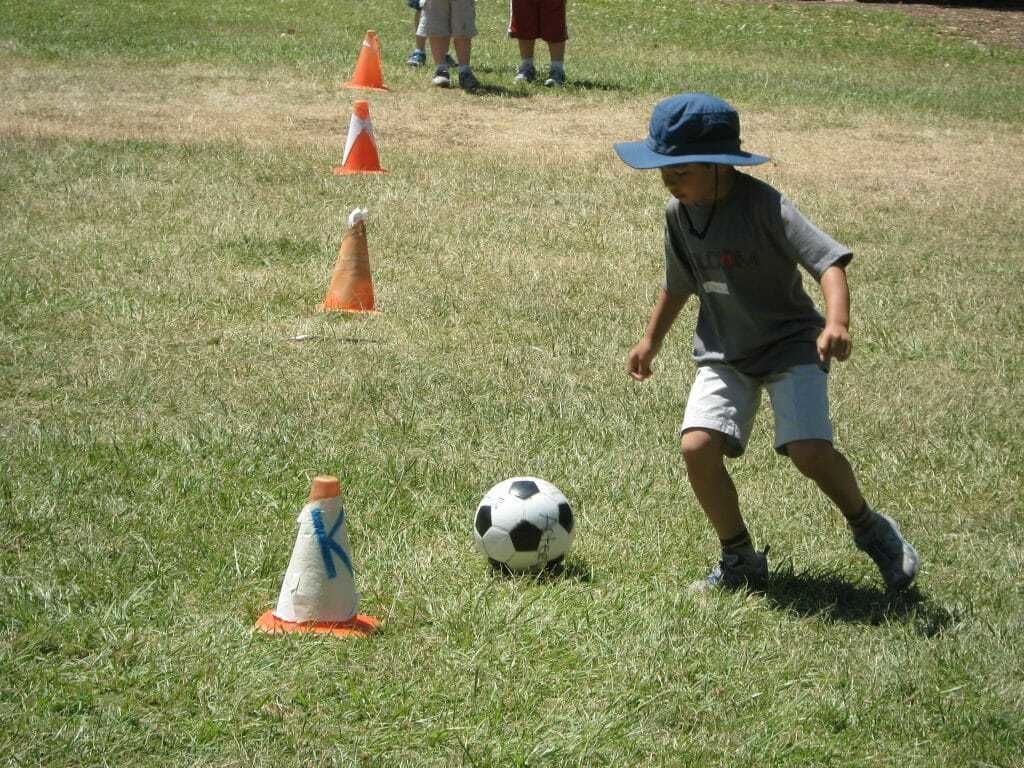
(835, 342)
(638, 362)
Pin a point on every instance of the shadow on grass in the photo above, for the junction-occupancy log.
(593, 85)
(572, 569)
(830, 596)
(527, 90)
(485, 89)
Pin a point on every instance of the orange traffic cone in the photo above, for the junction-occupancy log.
(318, 594)
(360, 146)
(351, 288)
(368, 72)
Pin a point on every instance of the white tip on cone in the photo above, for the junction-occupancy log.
(357, 215)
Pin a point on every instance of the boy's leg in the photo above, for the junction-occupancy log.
(526, 73)
(803, 431)
(418, 57)
(555, 33)
(463, 31)
(719, 415)
(829, 469)
(463, 50)
(556, 75)
(438, 52)
(704, 454)
(438, 49)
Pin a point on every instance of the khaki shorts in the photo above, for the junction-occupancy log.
(724, 400)
(448, 18)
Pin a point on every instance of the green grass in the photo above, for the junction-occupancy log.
(158, 430)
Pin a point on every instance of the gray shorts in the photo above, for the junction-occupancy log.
(448, 18)
(724, 400)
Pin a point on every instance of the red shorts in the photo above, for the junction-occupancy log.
(545, 19)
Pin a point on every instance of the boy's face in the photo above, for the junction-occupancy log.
(691, 184)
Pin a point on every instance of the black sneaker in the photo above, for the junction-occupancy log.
(468, 81)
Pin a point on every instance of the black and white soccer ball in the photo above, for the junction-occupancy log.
(524, 524)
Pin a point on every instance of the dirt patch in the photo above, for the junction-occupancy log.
(991, 22)
(197, 104)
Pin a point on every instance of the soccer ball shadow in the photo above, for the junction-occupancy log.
(561, 570)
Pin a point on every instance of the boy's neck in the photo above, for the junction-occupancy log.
(725, 183)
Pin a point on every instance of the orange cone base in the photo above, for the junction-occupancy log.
(340, 170)
(360, 626)
(346, 310)
(357, 86)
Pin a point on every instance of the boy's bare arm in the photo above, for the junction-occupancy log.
(663, 315)
(834, 340)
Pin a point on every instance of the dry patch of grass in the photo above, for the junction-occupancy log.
(194, 103)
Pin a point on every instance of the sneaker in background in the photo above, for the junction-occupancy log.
(556, 79)
(525, 74)
(417, 58)
(441, 78)
(468, 81)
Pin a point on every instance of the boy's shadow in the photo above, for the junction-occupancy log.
(828, 595)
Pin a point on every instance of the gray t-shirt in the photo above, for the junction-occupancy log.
(754, 313)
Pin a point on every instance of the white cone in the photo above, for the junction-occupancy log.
(319, 584)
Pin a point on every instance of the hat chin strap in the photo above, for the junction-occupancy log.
(701, 234)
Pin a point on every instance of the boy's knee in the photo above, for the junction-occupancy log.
(702, 448)
(812, 457)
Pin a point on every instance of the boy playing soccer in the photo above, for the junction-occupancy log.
(735, 242)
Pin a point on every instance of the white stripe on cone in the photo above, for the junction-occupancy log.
(309, 593)
(356, 126)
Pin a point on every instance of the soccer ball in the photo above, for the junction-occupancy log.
(523, 524)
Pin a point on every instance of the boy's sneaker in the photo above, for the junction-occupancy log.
(449, 61)
(526, 74)
(468, 81)
(896, 559)
(734, 571)
(556, 79)
(417, 58)
(441, 78)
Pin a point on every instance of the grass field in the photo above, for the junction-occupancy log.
(169, 222)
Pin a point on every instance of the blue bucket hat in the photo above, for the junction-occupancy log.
(689, 128)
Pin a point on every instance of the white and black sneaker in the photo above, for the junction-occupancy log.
(441, 78)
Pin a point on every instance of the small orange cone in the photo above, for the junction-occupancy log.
(318, 594)
(351, 288)
(360, 146)
(368, 72)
